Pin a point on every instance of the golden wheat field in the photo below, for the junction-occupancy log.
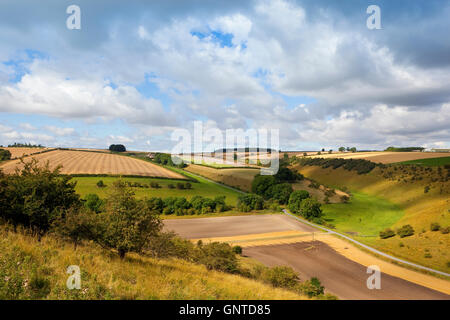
(20, 152)
(240, 178)
(384, 157)
(81, 162)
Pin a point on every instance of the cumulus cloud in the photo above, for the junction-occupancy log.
(368, 88)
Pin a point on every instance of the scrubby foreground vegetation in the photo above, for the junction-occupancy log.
(120, 249)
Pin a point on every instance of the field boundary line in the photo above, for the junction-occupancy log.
(373, 250)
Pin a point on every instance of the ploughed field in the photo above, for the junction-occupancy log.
(20, 152)
(384, 157)
(341, 267)
(81, 162)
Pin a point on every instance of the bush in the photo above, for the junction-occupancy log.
(310, 208)
(237, 250)
(35, 196)
(280, 192)
(217, 256)
(312, 288)
(180, 185)
(261, 185)
(101, 184)
(170, 186)
(93, 202)
(387, 233)
(405, 231)
(127, 223)
(5, 155)
(188, 185)
(281, 277)
(248, 202)
(435, 226)
(77, 225)
(445, 230)
(154, 185)
(296, 198)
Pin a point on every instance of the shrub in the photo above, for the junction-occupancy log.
(280, 192)
(237, 249)
(435, 226)
(5, 155)
(312, 288)
(217, 256)
(405, 231)
(249, 202)
(101, 184)
(93, 202)
(261, 185)
(170, 186)
(281, 277)
(445, 230)
(296, 198)
(77, 225)
(388, 233)
(180, 185)
(35, 196)
(426, 189)
(188, 185)
(154, 185)
(127, 223)
(310, 208)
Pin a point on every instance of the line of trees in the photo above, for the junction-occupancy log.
(361, 166)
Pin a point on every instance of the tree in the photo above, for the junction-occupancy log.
(101, 184)
(341, 149)
(128, 223)
(261, 185)
(249, 201)
(93, 202)
(285, 174)
(280, 192)
(77, 224)
(296, 199)
(35, 196)
(310, 208)
(353, 149)
(117, 148)
(5, 155)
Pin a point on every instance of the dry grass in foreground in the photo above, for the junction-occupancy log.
(37, 270)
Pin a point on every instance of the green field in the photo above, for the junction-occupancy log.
(364, 215)
(86, 185)
(431, 162)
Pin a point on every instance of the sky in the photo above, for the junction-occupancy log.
(137, 71)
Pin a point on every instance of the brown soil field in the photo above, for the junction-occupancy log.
(340, 275)
(340, 266)
(240, 178)
(233, 226)
(80, 162)
(19, 152)
(385, 157)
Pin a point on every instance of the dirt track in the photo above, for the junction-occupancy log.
(341, 276)
(233, 226)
